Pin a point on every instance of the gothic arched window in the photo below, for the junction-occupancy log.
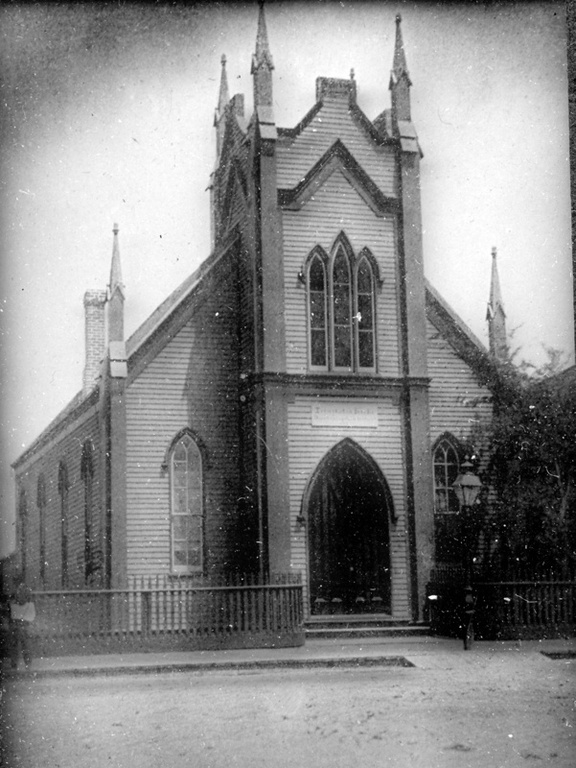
(446, 469)
(87, 475)
(187, 505)
(63, 487)
(365, 314)
(317, 312)
(41, 504)
(341, 309)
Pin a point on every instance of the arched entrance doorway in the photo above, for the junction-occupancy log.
(348, 507)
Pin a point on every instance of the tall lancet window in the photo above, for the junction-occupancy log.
(317, 313)
(341, 305)
(365, 314)
(186, 505)
(87, 475)
(341, 311)
(63, 487)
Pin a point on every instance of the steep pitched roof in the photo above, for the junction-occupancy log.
(78, 405)
(462, 339)
(177, 297)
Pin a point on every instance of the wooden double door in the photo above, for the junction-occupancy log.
(348, 509)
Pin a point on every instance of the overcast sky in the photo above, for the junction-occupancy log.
(107, 115)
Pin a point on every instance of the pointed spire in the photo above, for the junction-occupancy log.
(496, 316)
(399, 66)
(224, 96)
(399, 78)
(262, 55)
(220, 114)
(115, 269)
(262, 64)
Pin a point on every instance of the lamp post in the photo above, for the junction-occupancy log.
(467, 487)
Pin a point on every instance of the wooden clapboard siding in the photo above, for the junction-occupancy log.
(457, 400)
(307, 445)
(334, 208)
(296, 157)
(66, 448)
(191, 382)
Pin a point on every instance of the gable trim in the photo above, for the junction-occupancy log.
(338, 158)
(357, 115)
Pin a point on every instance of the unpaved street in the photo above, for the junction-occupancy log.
(466, 710)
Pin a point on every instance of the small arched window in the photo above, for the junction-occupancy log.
(446, 469)
(63, 487)
(41, 504)
(187, 506)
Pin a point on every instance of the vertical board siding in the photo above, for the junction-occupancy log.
(457, 401)
(191, 383)
(334, 121)
(67, 449)
(337, 207)
(307, 446)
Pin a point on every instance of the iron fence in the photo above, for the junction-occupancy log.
(516, 605)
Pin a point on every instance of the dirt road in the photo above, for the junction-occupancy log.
(464, 711)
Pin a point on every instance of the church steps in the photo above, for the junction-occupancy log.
(383, 626)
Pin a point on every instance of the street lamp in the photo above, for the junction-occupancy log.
(467, 487)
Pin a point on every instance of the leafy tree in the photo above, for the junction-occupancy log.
(532, 469)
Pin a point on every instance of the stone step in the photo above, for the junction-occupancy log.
(316, 630)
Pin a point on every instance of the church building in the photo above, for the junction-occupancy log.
(300, 404)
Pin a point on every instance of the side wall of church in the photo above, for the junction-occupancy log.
(191, 382)
(458, 402)
(66, 450)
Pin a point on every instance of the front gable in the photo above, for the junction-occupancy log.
(335, 119)
(338, 158)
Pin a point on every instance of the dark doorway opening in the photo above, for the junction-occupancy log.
(348, 509)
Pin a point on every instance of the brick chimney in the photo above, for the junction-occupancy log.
(95, 318)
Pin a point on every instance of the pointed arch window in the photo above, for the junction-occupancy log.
(317, 311)
(63, 487)
(87, 475)
(341, 309)
(365, 313)
(41, 504)
(187, 506)
(446, 469)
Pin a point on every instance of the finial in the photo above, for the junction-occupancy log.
(223, 60)
(352, 74)
(398, 18)
(494, 252)
(115, 268)
(262, 55)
